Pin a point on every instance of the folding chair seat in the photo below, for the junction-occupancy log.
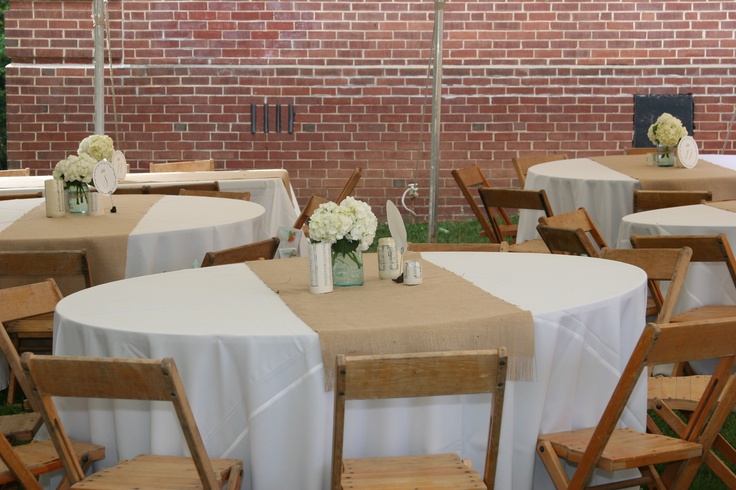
(15, 172)
(417, 375)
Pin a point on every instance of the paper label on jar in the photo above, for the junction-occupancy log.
(320, 268)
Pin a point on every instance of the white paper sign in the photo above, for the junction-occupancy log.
(55, 198)
(320, 268)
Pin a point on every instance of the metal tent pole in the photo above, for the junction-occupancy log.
(98, 18)
(434, 174)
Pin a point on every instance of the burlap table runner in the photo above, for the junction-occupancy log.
(725, 205)
(105, 237)
(444, 313)
(704, 176)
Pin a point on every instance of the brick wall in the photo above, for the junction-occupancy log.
(520, 77)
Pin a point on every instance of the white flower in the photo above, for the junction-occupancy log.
(667, 130)
(78, 168)
(75, 169)
(98, 146)
(352, 220)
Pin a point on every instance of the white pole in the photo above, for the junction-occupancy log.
(434, 174)
(98, 19)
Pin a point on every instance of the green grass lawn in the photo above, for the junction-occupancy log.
(469, 232)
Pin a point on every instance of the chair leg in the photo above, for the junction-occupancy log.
(554, 467)
(235, 480)
(12, 386)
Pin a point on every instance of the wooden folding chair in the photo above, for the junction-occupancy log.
(347, 190)
(301, 222)
(243, 196)
(459, 247)
(522, 164)
(577, 219)
(417, 375)
(34, 303)
(707, 249)
(567, 241)
(15, 172)
(186, 166)
(498, 201)
(660, 264)
(469, 178)
(263, 250)
(71, 273)
(26, 462)
(647, 200)
(128, 379)
(612, 448)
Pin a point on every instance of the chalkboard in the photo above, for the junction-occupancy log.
(647, 108)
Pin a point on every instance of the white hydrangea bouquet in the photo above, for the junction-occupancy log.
(76, 170)
(348, 227)
(667, 130)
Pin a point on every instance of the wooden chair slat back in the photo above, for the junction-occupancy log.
(15, 172)
(468, 178)
(314, 202)
(27, 195)
(660, 264)
(401, 376)
(185, 166)
(459, 247)
(175, 189)
(265, 250)
(694, 340)
(350, 184)
(568, 241)
(706, 248)
(128, 379)
(516, 199)
(639, 151)
(522, 164)
(69, 268)
(645, 200)
(243, 196)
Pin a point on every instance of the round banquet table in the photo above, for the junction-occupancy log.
(254, 374)
(269, 188)
(704, 283)
(607, 195)
(174, 232)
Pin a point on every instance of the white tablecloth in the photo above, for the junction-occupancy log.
(254, 372)
(704, 283)
(608, 195)
(176, 232)
(279, 203)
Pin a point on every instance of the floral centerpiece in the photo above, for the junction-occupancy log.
(665, 133)
(350, 228)
(76, 170)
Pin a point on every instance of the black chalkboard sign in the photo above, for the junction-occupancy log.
(647, 108)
